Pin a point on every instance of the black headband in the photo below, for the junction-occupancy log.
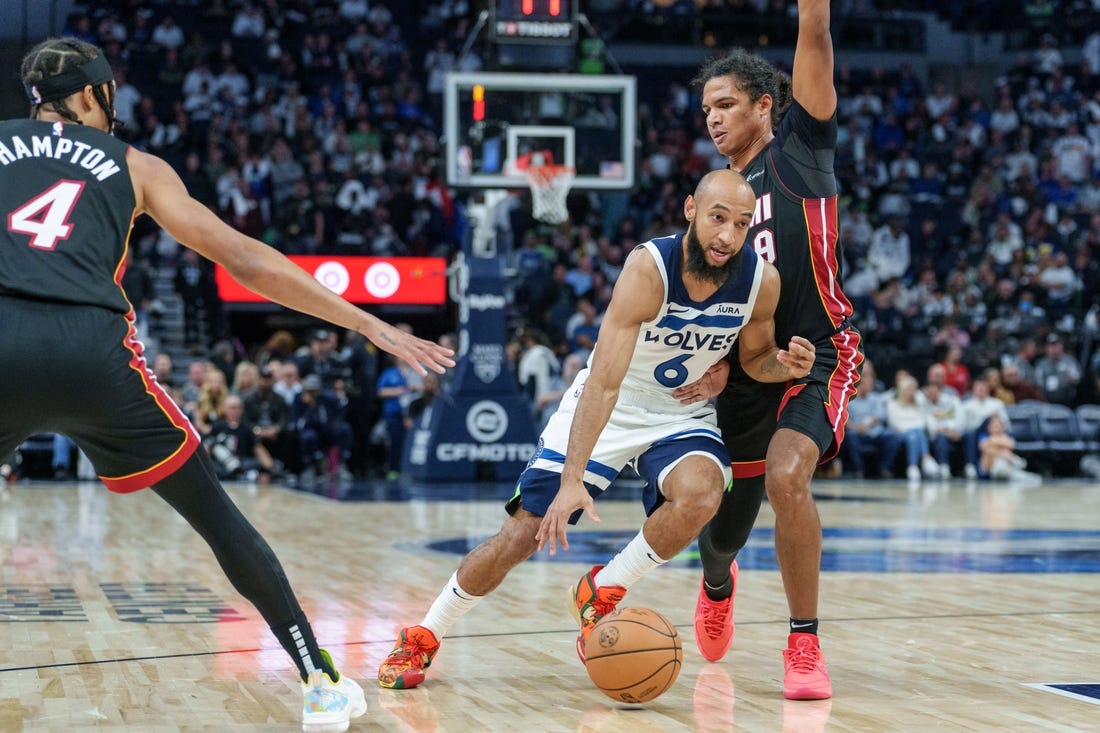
(94, 71)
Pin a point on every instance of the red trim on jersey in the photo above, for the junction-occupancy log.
(842, 385)
(822, 229)
(190, 438)
(747, 469)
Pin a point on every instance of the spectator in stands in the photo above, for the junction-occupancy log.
(867, 430)
(538, 365)
(889, 254)
(582, 328)
(269, 415)
(194, 283)
(945, 427)
(246, 379)
(289, 385)
(951, 335)
(248, 22)
(196, 377)
(992, 377)
(231, 442)
(393, 391)
(546, 402)
(429, 391)
(909, 421)
(210, 405)
(322, 359)
(167, 34)
(998, 457)
(956, 374)
(1060, 284)
(163, 369)
(976, 410)
(1020, 388)
(1057, 374)
(323, 433)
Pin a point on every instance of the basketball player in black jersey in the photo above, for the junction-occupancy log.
(70, 360)
(784, 148)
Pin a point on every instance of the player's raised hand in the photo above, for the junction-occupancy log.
(420, 354)
(798, 357)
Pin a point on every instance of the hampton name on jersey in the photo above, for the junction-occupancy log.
(688, 337)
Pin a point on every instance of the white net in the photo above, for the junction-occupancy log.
(550, 186)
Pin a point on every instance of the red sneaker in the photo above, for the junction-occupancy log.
(590, 604)
(403, 668)
(714, 621)
(805, 676)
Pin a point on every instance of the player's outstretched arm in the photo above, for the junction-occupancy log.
(760, 357)
(812, 74)
(258, 267)
(637, 298)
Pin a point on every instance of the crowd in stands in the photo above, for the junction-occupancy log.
(970, 219)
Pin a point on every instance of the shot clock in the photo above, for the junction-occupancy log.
(534, 21)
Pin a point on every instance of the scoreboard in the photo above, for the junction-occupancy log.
(534, 21)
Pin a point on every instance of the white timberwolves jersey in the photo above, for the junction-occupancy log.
(688, 337)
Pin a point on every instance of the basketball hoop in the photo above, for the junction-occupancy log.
(550, 186)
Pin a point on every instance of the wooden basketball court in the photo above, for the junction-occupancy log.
(945, 607)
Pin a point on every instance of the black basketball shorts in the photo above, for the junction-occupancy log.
(80, 371)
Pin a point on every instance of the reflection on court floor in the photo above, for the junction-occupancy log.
(951, 607)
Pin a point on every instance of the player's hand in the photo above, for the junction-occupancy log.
(798, 356)
(418, 352)
(709, 385)
(571, 496)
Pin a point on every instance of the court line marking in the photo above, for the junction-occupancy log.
(1049, 687)
(543, 632)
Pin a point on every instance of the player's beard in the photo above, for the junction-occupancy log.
(697, 260)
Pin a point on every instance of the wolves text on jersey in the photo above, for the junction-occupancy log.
(692, 340)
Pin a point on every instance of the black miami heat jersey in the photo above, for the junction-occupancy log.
(68, 204)
(795, 227)
(795, 186)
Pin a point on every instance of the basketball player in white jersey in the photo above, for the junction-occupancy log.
(676, 310)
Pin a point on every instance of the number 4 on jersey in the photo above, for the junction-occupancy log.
(46, 216)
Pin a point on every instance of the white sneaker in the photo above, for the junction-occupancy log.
(971, 471)
(913, 474)
(929, 467)
(945, 472)
(328, 706)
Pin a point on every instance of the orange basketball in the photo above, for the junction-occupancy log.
(633, 654)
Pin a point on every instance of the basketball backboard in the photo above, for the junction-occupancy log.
(492, 121)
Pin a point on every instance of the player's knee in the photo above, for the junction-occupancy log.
(787, 484)
(699, 499)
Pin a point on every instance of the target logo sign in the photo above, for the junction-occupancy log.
(419, 280)
(382, 280)
(333, 276)
(486, 421)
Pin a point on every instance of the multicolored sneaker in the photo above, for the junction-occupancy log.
(404, 668)
(590, 604)
(714, 621)
(805, 676)
(328, 706)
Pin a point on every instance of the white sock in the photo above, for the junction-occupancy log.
(632, 562)
(450, 605)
